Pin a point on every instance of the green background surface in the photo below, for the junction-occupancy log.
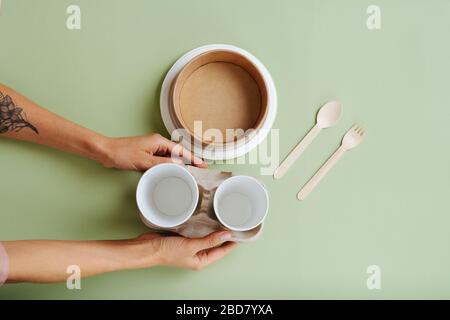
(385, 203)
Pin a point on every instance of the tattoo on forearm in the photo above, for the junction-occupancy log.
(12, 118)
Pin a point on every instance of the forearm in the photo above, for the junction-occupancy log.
(47, 261)
(23, 119)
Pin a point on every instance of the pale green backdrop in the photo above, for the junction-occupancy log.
(385, 203)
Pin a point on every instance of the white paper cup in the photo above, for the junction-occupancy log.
(167, 195)
(241, 203)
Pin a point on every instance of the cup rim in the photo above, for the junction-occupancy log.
(215, 202)
(195, 199)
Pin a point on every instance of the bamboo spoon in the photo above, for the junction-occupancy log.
(327, 116)
(351, 139)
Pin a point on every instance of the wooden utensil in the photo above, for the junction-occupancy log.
(327, 116)
(351, 139)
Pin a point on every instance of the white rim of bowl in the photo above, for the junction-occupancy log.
(267, 202)
(142, 214)
(219, 153)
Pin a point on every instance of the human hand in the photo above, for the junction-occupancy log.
(47, 260)
(177, 251)
(141, 153)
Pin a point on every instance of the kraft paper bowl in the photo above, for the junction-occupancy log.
(222, 90)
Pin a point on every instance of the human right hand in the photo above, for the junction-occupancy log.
(177, 251)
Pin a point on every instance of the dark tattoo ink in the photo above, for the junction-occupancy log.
(12, 118)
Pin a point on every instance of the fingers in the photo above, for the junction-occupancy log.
(150, 161)
(177, 150)
(158, 160)
(213, 240)
(212, 255)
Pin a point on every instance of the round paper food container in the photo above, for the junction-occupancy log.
(222, 92)
(219, 101)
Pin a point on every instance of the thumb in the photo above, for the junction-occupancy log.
(210, 241)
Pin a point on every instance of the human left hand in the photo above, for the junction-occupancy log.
(143, 152)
